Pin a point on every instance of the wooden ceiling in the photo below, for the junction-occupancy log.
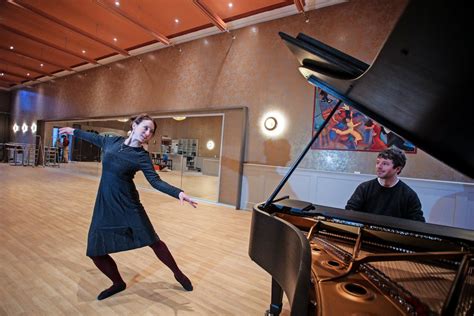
(44, 39)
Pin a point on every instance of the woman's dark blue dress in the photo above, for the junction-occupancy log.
(119, 221)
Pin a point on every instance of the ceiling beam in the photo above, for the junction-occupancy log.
(215, 19)
(14, 74)
(21, 54)
(52, 45)
(5, 87)
(115, 10)
(9, 81)
(28, 7)
(300, 5)
(26, 68)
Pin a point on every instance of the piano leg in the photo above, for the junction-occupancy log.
(276, 299)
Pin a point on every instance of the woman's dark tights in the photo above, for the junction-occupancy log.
(165, 256)
(108, 266)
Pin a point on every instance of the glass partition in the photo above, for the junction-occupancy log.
(185, 151)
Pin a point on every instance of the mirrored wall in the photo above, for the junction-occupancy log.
(185, 151)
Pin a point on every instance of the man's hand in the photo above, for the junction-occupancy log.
(184, 198)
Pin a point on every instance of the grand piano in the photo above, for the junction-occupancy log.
(329, 261)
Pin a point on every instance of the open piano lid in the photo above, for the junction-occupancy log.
(418, 86)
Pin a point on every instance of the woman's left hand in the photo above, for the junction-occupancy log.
(184, 198)
(66, 130)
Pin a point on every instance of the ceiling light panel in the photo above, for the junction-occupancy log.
(43, 30)
(164, 20)
(13, 64)
(33, 49)
(96, 21)
(242, 8)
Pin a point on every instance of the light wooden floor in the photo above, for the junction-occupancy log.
(44, 221)
(194, 183)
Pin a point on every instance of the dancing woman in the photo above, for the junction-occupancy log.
(119, 221)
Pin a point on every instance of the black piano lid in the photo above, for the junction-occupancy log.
(419, 86)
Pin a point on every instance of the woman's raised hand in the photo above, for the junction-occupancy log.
(66, 130)
(184, 198)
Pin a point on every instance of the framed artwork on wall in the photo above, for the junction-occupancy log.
(350, 129)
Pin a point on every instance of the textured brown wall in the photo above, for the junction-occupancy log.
(5, 101)
(255, 70)
(5, 126)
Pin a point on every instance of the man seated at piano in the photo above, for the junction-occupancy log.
(387, 194)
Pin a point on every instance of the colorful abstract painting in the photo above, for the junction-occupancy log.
(349, 129)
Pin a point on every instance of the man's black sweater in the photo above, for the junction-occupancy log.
(398, 201)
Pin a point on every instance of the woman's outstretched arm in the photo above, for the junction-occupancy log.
(93, 138)
(154, 179)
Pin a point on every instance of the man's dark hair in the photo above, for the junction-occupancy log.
(397, 156)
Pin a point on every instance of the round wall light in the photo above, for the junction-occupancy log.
(16, 128)
(34, 128)
(270, 123)
(210, 145)
(273, 124)
(24, 128)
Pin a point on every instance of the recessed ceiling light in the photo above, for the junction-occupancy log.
(2, 74)
(41, 65)
(83, 51)
(11, 47)
(117, 3)
(230, 4)
(176, 21)
(28, 74)
(115, 39)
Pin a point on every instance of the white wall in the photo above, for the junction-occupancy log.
(444, 203)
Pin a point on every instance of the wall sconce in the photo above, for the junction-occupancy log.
(179, 118)
(24, 128)
(34, 128)
(270, 123)
(16, 128)
(210, 145)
